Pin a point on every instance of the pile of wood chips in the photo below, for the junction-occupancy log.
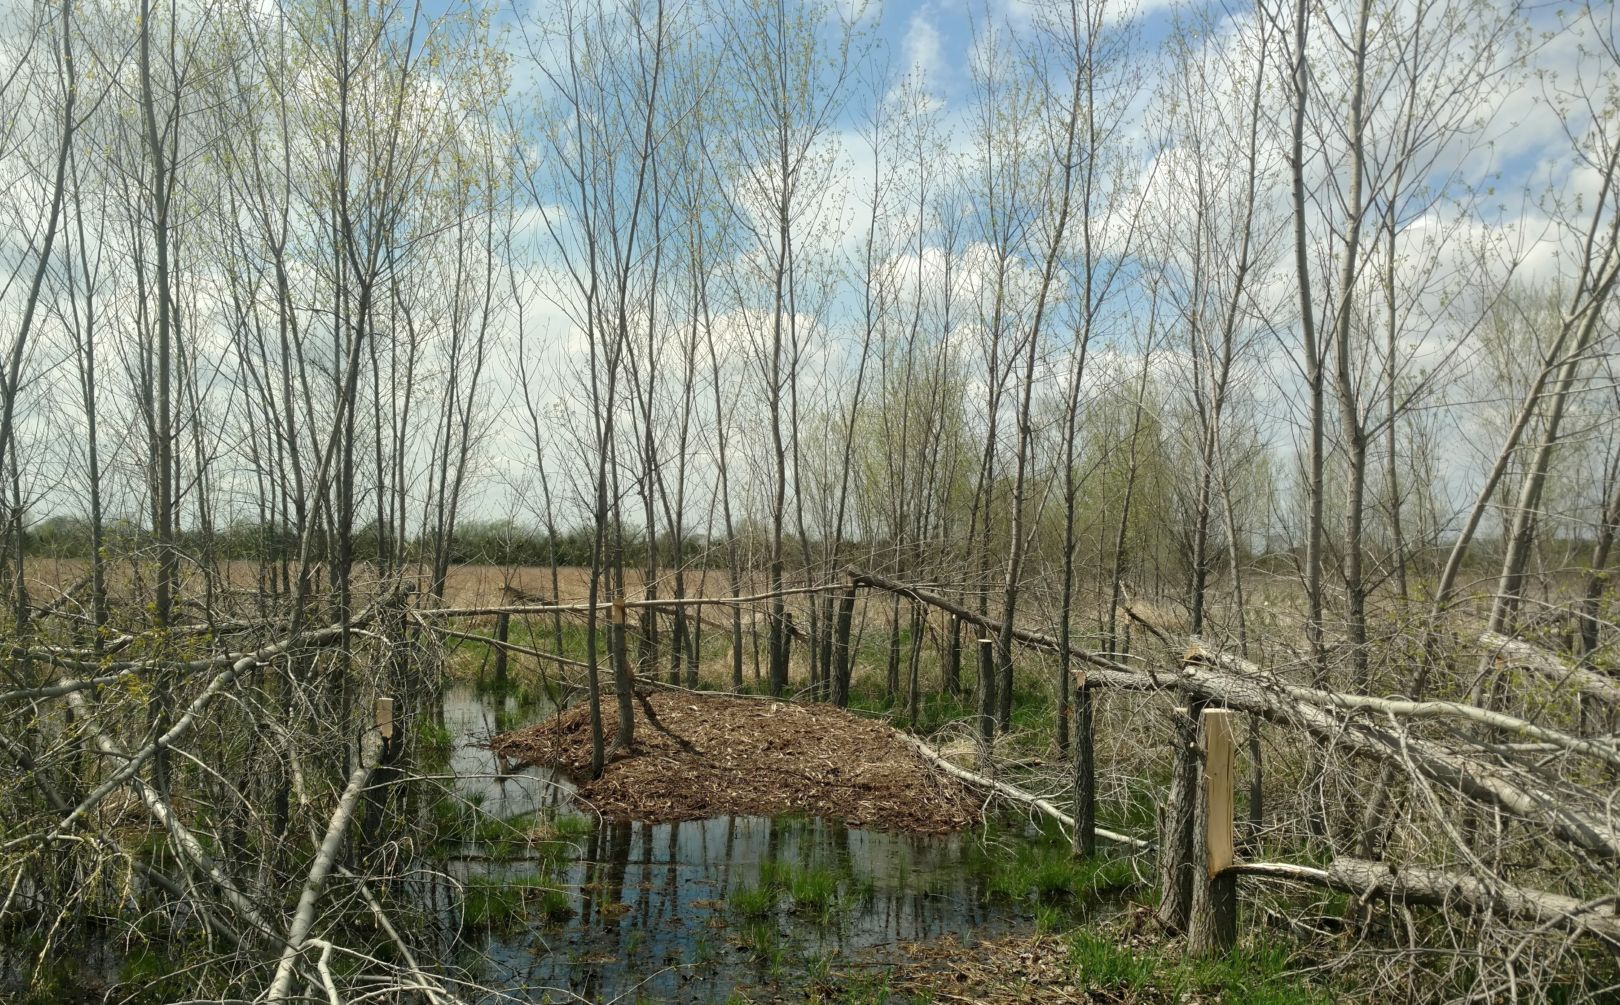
(749, 757)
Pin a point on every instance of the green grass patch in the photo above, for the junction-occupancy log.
(505, 904)
(571, 826)
(1099, 962)
(150, 976)
(753, 901)
(813, 891)
(857, 989)
(1253, 974)
(1043, 872)
(433, 741)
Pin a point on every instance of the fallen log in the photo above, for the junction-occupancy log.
(128, 669)
(235, 665)
(1034, 640)
(664, 604)
(190, 848)
(1510, 652)
(491, 641)
(1591, 830)
(1601, 749)
(1423, 885)
(304, 915)
(1014, 794)
(1238, 684)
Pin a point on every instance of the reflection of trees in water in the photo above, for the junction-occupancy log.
(618, 862)
(638, 927)
(671, 905)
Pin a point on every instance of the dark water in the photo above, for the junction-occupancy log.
(691, 912)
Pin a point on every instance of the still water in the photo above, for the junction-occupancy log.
(692, 912)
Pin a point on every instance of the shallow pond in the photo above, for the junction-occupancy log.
(692, 912)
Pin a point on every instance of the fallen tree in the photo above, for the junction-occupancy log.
(1014, 794)
(1412, 884)
(1517, 653)
(1226, 681)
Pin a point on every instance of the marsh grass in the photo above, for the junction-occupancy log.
(814, 891)
(1254, 973)
(506, 903)
(1041, 871)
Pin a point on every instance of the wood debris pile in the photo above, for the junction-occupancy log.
(752, 758)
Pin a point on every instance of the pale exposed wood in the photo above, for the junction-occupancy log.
(1510, 652)
(1212, 914)
(1218, 774)
(385, 718)
(304, 915)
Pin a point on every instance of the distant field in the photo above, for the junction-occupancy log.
(468, 585)
(477, 585)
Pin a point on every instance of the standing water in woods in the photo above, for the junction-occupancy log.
(809, 500)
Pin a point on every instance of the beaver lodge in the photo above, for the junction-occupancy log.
(719, 756)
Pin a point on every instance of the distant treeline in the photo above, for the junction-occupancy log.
(483, 542)
(503, 543)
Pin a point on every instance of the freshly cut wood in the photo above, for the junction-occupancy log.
(1212, 918)
(1219, 770)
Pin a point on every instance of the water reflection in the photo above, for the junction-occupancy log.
(673, 910)
(472, 719)
(690, 912)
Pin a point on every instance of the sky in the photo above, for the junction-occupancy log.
(1515, 160)
(1517, 155)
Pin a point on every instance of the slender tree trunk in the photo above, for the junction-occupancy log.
(1176, 821)
(1313, 357)
(1352, 428)
(162, 463)
(1597, 579)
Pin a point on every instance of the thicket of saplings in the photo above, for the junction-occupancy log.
(1029, 348)
(162, 846)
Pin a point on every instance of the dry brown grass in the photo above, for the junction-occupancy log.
(468, 585)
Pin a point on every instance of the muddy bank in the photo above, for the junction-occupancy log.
(749, 757)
